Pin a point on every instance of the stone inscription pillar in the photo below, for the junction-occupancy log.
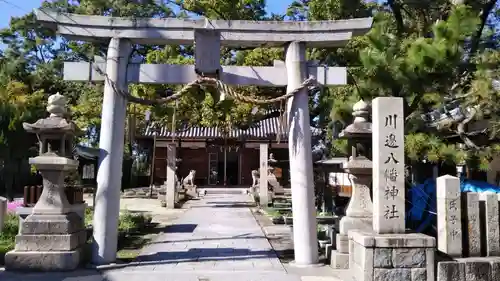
(263, 171)
(171, 178)
(111, 142)
(300, 151)
(472, 229)
(388, 165)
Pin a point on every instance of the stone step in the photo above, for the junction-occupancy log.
(282, 198)
(282, 205)
(283, 192)
(283, 210)
(216, 191)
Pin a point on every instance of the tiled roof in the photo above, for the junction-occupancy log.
(268, 128)
(86, 152)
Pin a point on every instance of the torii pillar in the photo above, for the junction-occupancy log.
(111, 145)
(300, 153)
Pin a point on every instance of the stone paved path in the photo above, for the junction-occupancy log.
(216, 239)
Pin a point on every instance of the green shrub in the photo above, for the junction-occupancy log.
(8, 234)
(10, 227)
(324, 214)
(272, 213)
(89, 216)
(129, 221)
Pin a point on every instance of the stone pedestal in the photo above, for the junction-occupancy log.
(191, 190)
(391, 257)
(24, 212)
(170, 195)
(52, 237)
(358, 212)
(48, 243)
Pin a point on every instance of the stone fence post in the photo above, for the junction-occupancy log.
(468, 228)
(448, 208)
(3, 211)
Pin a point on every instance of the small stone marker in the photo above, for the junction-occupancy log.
(472, 225)
(449, 215)
(388, 165)
(3, 211)
(491, 224)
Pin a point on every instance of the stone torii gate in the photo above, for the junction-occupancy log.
(210, 35)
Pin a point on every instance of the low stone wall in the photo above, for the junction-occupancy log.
(469, 269)
(384, 257)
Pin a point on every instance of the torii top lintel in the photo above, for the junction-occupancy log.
(172, 31)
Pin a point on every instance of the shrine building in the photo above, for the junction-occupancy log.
(220, 160)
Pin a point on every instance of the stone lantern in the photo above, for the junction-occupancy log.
(359, 212)
(52, 236)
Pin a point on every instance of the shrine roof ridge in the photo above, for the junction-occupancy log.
(264, 129)
(179, 31)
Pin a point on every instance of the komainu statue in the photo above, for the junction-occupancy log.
(189, 180)
(255, 177)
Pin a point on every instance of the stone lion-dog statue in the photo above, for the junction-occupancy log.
(189, 186)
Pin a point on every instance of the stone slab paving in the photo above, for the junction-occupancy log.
(216, 239)
(216, 233)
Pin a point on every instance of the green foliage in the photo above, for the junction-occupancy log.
(129, 221)
(272, 213)
(89, 216)
(8, 234)
(422, 59)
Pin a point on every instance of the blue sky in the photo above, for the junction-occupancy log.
(9, 10)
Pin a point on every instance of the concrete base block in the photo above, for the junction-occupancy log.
(342, 243)
(328, 251)
(191, 191)
(43, 261)
(339, 260)
(51, 242)
(24, 212)
(52, 224)
(347, 224)
(391, 257)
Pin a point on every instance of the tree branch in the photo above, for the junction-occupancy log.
(461, 130)
(396, 9)
(484, 17)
